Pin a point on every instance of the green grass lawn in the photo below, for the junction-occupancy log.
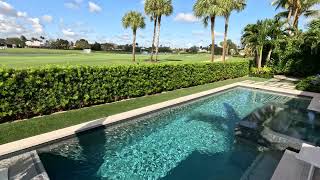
(22, 129)
(21, 58)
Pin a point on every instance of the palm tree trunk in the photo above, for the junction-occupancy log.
(296, 18)
(134, 46)
(269, 54)
(226, 26)
(260, 58)
(158, 37)
(289, 15)
(213, 19)
(154, 37)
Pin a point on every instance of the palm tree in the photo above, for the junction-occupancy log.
(150, 8)
(276, 34)
(227, 7)
(208, 10)
(296, 9)
(163, 8)
(255, 36)
(135, 21)
(304, 8)
(286, 4)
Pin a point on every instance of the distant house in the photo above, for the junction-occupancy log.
(34, 44)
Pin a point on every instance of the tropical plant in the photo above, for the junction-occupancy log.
(163, 8)
(276, 35)
(296, 9)
(285, 4)
(208, 10)
(255, 36)
(227, 7)
(150, 8)
(135, 21)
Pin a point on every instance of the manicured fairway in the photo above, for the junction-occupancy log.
(20, 58)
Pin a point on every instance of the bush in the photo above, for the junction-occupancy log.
(264, 72)
(311, 84)
(30, 92)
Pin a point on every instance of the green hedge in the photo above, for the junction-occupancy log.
(30, 92)
(311, 84)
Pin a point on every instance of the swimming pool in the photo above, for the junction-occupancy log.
(192, 141)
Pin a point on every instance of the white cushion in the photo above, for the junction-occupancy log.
(4, 174)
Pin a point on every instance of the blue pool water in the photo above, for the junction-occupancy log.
(191, 141)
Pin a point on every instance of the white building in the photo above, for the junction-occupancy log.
(34, 44)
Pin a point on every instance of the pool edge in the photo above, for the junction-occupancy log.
(32, 143)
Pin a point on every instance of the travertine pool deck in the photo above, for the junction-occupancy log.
(28, 144)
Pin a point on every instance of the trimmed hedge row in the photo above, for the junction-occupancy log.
(25, 93)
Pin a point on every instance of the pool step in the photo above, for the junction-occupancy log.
(264, 164)
(27, 166)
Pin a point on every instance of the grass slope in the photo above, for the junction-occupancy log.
(22, 129)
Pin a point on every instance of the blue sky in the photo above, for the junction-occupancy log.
(100, 20)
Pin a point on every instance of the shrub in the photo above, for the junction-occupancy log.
(264, 72)
(30, 92)
(311, 84)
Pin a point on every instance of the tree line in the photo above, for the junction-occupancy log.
(269, 39)
(208, 10)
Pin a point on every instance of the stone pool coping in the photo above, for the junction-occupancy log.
(31, 143)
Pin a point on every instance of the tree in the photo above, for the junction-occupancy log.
(230, 45)
(227, 7)
(255, 37)
(59, 44)
(193, 49)
(135, 21)
(276, 34)
(296, 9)
(82, 44)
(286, 4)
(96, 46)
(14, 41)
(163, 8)
(208, 10)
(150, 8)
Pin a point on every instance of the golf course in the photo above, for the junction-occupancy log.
(28, 57)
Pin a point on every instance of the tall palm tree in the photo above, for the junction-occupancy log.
(304, 8)
(286, 4)
(296, 9)
(135, 21)
(227, 7)
(208, 10)
(163, 8)
(150, 8)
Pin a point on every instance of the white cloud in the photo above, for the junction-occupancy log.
(16, 23)
(7, 9)
(186, 17)
(75, 4)
(93, 7)
(68, 32)
(47, 18)
(22, 14)
(35, 23)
